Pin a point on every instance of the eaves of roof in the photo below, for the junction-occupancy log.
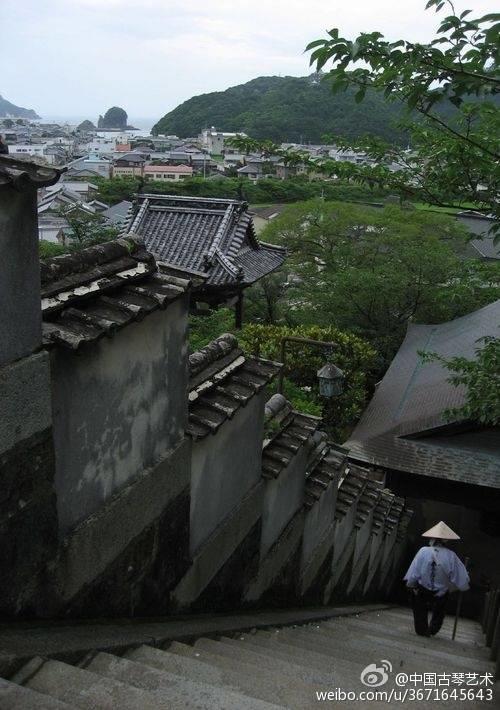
(24, 175)
(222, 380)
(100, 290)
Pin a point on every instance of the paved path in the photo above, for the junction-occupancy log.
(312, 665)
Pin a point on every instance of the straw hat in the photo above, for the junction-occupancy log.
(441, 531)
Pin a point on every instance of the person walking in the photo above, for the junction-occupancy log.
(434, 572)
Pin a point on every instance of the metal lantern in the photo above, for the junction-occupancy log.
(331, 380)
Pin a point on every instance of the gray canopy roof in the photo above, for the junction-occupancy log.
(404, 427)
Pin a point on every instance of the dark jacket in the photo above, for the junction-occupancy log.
(4, 148)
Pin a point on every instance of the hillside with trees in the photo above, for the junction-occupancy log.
(295, 109)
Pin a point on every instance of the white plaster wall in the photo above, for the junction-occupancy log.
(282, 498)
(224, 468)
(317, 521)
(118, 406)
(343, 531)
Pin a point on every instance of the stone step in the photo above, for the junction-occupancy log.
(17, 697)
(362, 626)
(468, 630)
(426, 646)
(83, 689)
(360, 655)
(321, 668)
(319, 680)
(402, 652)
(254, 664)
(264, 658)
(273, 688)
(175, 690)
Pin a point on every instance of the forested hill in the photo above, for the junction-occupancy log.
(7, 109)
(285, 108)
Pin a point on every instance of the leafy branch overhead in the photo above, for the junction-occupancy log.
(449, 88)
(458, 67)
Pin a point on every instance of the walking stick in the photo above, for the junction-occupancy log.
(459, 605)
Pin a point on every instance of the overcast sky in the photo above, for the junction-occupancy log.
(79, 57)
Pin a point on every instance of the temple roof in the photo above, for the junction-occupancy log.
(96, 291)
(212, 236)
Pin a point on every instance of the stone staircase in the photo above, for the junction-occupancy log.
(261, 669)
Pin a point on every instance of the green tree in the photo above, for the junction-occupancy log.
(373, 270)
(85, 230)
(451, 83)
(8, 122)
(352, 354)
(264, 191)
(355, 356)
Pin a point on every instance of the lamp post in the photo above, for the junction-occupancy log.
(331, 378)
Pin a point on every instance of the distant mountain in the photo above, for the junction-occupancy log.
(9, 110)
(295, 109)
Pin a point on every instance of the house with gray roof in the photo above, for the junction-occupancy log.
(210, 238)
(448, 467)
(482, 243)
(117, 214)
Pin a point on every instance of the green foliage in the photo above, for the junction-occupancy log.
(49, 249)
(455, 153)
(284, 109)
(265, 191)
(353, 355)
(371, 271)
(481, 378)
(85, 230)
(204, 329)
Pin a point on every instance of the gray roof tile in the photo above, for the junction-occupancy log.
(24, 175)
(222, 380)
(210, 236)
(94, 292)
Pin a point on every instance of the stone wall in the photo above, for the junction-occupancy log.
(136, 481)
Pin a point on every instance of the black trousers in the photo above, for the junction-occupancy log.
(425, 601)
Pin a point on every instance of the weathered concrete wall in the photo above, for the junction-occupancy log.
(283, 497)
(118, 407)
(25, 406)
(20, 315)
(28, 524)
(317, 521)
(124, 559)
(224, 468)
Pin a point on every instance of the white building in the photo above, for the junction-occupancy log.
(167, 173)
(27, 149)
(214, 141)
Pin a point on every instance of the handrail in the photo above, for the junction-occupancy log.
(490, 622)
